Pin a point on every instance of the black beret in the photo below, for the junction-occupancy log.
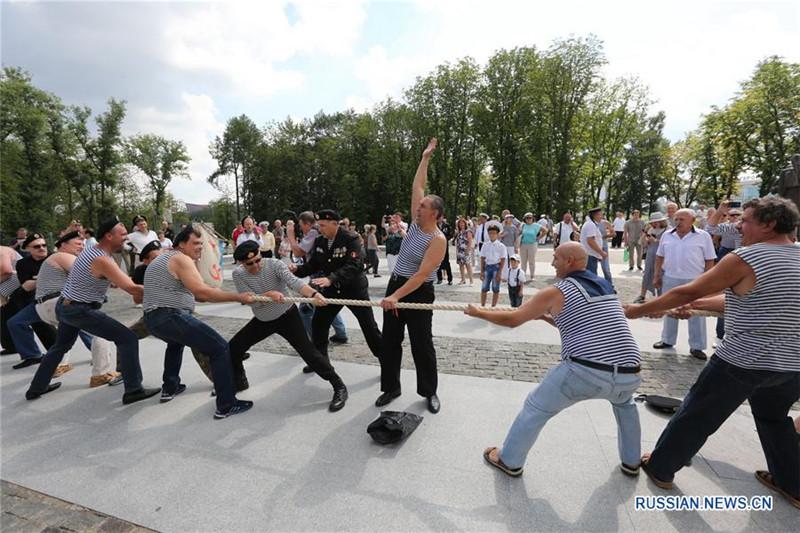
(246, 250)
(328, 214)
(183, 235)
(107, 226)
(30, 238)
(139, 218)
(149, 247)
(68, 237)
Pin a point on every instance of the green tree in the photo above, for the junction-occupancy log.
(160, 160)
(235, 153)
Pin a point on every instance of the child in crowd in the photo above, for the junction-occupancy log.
(493, 258)
(516, 278)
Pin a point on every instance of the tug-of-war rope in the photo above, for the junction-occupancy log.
(421, 307)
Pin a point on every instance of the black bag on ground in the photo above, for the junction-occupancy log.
(393, 426)
(664, 404)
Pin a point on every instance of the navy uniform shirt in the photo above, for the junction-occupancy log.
(341, 263)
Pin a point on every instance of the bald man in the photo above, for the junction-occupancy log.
(599, 359)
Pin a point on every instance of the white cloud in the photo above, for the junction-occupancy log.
(195, 123)
(382, 76)
(245, 43)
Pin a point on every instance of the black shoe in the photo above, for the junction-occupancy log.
(336, 339)
(141, 394)
(630, 269)
(27, 362)
(239, 407)
(434, 404)
(450, 282)
(246, 356)
(8, 352)
(439, 282)
(31, 395)
(307, 370)
(168, 396)
(386, 397)
(639, 268)
(376, 276)
(241, 382)
(660, 345)
(699, 354)
(339, 398)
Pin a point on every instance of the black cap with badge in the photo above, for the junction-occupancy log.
(68, 237)
(30, 238)
(149, 247)
(246, 250)
(328, 214)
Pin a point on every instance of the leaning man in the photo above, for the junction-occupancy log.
(759, 358)
(601, 362)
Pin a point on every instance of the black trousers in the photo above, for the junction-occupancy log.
(290, 327)
(616, 241)
(323, 318)
(445, 266)
(420, 334)
(45, 332)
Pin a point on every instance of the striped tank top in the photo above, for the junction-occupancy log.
(762, 327)
(594, 327)
(81, 285)
(412, 250)
(51, 279)
(12, 283)
(162, 289)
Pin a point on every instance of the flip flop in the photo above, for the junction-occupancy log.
(766, 479)
(513, 472)
(666, 485)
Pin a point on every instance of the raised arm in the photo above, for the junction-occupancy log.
(421, 178)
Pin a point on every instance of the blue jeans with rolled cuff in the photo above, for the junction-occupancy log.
(490, 278)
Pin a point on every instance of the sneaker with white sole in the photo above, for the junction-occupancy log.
(168, 396)
(239, 407)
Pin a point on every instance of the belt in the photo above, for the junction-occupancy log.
(607, 368)
(50, 296)
(93, 305)
(395, 277)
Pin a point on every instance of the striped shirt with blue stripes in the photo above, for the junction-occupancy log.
(162, 289)
(762, 327)
(274, 276)
(8, 286)
(51, 279)
(81, 285)
(412, 252)
(594, 327)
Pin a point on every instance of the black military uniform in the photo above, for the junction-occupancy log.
(447, 231)
(341, 263)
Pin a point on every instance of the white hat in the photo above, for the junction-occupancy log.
(263, 223)
(657, 217)
(509, 216)
(515, 257)
(494, 224)
(526, 215)
(484, 215)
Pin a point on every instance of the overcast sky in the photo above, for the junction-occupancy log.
(186, 68)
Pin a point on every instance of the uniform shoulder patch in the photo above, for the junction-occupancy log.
(354, 254)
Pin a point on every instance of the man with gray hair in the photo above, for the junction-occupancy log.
(684, 253)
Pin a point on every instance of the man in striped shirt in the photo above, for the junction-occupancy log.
(420, 255)
(759, 358)
(601, 362)
(272, 278)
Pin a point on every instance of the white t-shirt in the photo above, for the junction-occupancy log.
(591, 231)
(494, 252)
(686, 258)
(139, 240)
(254, 236)
(619, 224)
(564, 230)
(512, 276)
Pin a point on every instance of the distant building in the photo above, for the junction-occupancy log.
(749, 185)
(194, 208)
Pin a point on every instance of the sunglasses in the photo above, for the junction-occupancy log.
(734, 215)
(38, 246)
(253, 262)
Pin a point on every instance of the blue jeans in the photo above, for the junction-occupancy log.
(76, 317)
(178, 328)
(606, 265)
(19, 326)
(719, 390)
(490, 277)
(697, 325)
(591, 264)
(307, 313)
(565, 385)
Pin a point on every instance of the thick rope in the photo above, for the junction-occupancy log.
(417, 306)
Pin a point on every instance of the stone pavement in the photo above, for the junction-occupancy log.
(290, 465)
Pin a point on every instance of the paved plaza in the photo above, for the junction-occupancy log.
(290, 465)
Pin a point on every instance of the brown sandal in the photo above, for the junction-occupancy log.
(666, 485)
(498, 463)
(766, 479)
